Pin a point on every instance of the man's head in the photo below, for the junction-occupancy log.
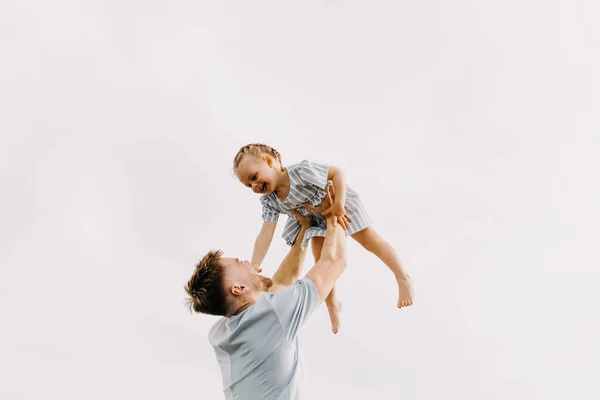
(223, 286)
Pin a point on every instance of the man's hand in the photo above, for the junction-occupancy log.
(338, 211)
(329, 208)
(304, 220)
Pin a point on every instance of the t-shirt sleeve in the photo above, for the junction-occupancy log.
(313, 173)
(269, 213)
(294, 304)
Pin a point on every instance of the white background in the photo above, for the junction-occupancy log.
(470, 129)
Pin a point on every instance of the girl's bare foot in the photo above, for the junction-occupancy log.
(405, 292)
(335, 309)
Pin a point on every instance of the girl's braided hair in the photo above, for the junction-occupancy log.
(255, 149)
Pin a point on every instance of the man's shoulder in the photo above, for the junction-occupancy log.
(302, 285)
(216, 332)
(306, 282)
(226, 324)
(248, 325)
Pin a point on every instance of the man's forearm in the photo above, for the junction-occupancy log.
(289, 269)
(334, 246)
(333, 260)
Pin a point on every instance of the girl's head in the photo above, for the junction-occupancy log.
(258, 166)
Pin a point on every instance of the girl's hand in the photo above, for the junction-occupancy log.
(257, 268)
(339, 213)
(327, 205)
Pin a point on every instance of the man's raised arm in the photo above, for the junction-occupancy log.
(289, 269)
(333, 259)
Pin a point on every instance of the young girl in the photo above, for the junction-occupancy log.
(284, 189)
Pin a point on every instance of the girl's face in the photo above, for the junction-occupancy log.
(259, 173)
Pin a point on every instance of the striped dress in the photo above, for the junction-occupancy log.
(307, 185)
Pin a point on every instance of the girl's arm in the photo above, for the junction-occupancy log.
(262, 243)
(338, 209)
(336, 175)
(318, 174)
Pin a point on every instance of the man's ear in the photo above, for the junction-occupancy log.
(238, 290)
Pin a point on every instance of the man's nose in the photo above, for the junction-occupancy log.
(255, 187)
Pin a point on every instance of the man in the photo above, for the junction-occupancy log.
(256, 341)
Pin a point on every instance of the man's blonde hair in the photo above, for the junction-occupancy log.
(205, 287)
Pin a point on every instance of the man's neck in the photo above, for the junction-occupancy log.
(242, 308)
(245, 305)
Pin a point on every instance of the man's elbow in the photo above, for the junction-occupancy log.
(325, 278)
(339, 262)
(341, 254)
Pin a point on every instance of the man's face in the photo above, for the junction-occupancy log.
(242, 274)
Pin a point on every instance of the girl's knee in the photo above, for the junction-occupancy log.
(316, 242)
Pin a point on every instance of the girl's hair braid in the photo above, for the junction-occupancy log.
(255, 149)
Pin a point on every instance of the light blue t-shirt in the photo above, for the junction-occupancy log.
(257, 349)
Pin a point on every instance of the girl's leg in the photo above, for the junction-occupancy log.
(333, 306)
(373, 242)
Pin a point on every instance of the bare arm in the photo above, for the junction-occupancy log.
(338, 209)
(262, 243)
(289, 269)
(336, 175)
(333, 259)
